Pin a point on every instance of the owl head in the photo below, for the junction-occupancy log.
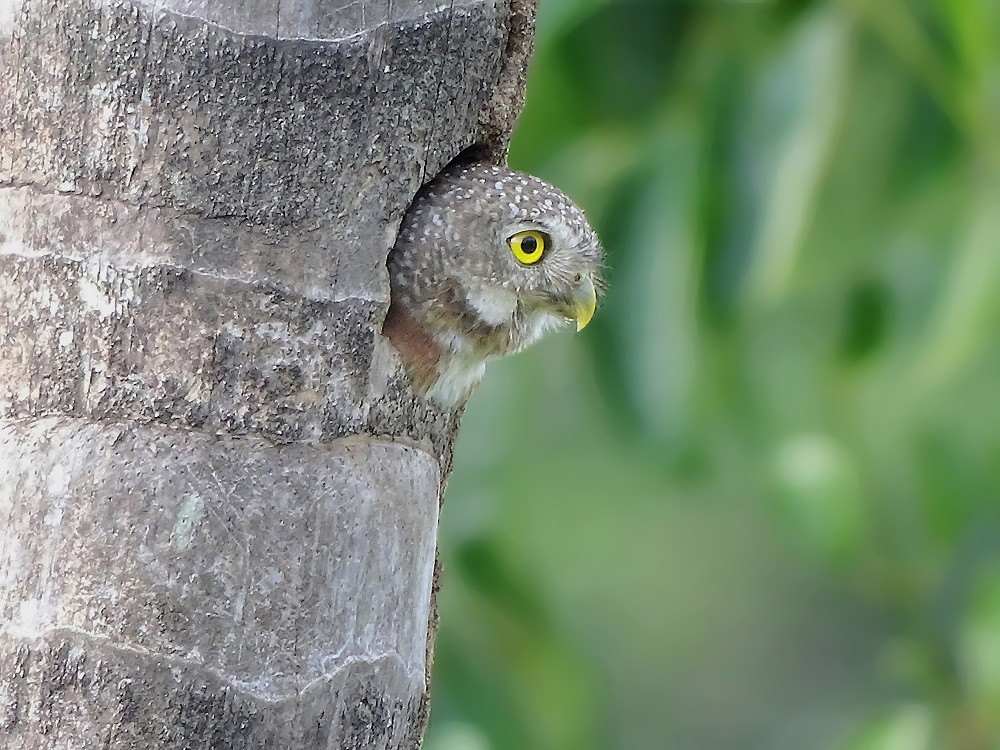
(486, 261)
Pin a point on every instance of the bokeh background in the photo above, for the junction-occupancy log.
(755, 504)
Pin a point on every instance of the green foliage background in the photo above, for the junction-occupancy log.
(755, 504)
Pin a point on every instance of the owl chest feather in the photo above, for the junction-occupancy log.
(446, 347)
(501, 327)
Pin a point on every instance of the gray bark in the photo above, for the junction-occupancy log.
(218, 496)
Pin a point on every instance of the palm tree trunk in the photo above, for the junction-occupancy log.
(218, 497)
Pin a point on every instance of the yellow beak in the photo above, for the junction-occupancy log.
(584, 302)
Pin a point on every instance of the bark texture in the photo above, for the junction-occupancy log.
(218, 496)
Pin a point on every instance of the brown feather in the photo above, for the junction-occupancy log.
(415, 346)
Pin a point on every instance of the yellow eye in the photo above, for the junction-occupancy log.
(528, 246)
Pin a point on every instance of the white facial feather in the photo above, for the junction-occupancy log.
(495, 304)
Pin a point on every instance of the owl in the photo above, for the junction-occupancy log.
(485, 262)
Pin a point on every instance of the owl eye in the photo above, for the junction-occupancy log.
(528, 246)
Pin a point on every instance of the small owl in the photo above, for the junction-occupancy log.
(486, 261)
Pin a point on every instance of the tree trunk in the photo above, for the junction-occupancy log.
(218, 497)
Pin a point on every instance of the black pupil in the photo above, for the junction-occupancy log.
(529, 244)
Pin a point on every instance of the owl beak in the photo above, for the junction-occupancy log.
(584, 301)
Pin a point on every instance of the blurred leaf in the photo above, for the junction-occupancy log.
(979, 645)
(948, 483)
(456, 736)
(545, 689)
(925, 145)
(908, 728)
(559, 17)
(723, 219)
(866, 320)
(474, 692)
(968, 311)
(655, 295)
(972, 27)
(791, 134)
(819, 496)
(610, 353)
(642, 38)
(479, 563)
(573, 91)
